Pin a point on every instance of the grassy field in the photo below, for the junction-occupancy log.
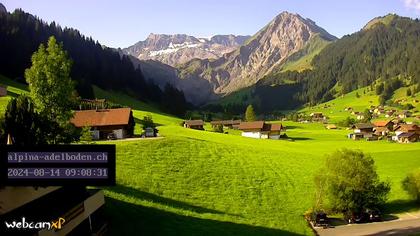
(13, 90)
(204, 183)
(199, 182)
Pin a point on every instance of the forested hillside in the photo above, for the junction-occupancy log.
(383, 54)
(93, 64)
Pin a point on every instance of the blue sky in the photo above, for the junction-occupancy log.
(122, 23)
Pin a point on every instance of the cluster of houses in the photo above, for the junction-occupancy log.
(395, 131)
(254, 129)
(318, 117)
(377, 111)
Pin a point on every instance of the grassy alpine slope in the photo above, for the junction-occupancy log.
(200, 183)
(197, 182)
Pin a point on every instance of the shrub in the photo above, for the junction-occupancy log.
(347, 122)
(218, 128)
(86, 136)
(411, 184)
(349, 183)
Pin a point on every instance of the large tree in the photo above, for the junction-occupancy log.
(51, 87)
(250, 113)
(28, 127)
(349, 183)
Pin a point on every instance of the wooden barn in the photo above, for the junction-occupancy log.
(194, 124)
(260, 129)
(104, 122)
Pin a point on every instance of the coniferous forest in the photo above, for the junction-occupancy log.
(93, 64)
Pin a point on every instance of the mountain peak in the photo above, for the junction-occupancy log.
(386, 20)
(175, 49)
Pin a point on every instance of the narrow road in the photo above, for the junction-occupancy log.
(407, 225)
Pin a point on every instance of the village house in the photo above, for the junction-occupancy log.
(331, 126)
(409, 137)
(194, 124)
(260, 129)
(362, 130)
(3, 91)
(404, 114)
(383, 126)
(104, 123)
(317, 116)
(230, 124)
(379, 111)
(381, 131)
(389, 113)
(360, 116)
(406, 128)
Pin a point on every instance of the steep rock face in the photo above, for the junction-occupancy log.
(284, 35)
(180, 48)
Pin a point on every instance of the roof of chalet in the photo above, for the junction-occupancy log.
(363, 126)
(260, 125)
(406, 135)
(381, 123)
(273, 127)
(106, 117)
(381, 129)
(194, 122)
(407, 127)
(251, 125)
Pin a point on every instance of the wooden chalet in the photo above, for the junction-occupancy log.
(406, 128)
(194, 124)
(409, 137)
(383, 127)
(362, 130)
(104, 122)
(260, 129)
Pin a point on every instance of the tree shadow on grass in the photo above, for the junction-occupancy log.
(401, 206)
(130, 219)
(299, 138)
(12, 94)
(140, 122)
(132, 192)
(292, 127)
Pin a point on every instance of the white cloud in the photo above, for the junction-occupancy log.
(414, 4)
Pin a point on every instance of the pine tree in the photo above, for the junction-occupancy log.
(250, 113)
(408, 92)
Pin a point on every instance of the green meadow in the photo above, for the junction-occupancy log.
(200, 182)
(203, 183)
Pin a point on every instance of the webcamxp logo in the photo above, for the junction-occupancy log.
(28, 225)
